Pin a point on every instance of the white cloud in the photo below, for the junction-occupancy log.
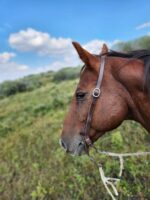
(11, 70)
(144, 25)
(95, 46)
(6, 56)
(31, 40)
(23, 67)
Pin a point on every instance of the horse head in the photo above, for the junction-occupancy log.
(112, 107)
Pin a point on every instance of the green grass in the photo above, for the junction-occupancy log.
(34, 167)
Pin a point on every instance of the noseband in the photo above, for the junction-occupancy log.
(95, 95)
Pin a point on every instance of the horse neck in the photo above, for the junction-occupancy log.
(131, 75)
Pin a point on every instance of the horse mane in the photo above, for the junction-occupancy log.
(143, 54)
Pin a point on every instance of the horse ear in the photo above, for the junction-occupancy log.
(104, 49)
(84, 55)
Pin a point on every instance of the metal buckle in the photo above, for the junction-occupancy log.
(96, 92)
(88, 141)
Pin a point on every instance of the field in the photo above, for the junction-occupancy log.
(32, 164)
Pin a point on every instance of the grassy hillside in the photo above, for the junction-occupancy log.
(34, 167)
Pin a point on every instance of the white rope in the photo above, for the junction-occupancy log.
(123, 154)
(121, 165)
(108, 181)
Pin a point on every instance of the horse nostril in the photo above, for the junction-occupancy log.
(62, 143)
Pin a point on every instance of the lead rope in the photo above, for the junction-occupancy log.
(109, 181)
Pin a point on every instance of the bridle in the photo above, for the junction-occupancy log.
(95, 95)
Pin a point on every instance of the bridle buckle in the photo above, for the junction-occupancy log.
(96, 92)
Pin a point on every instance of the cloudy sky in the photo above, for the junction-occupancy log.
(36, 35)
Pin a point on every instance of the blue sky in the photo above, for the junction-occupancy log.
(36, 35)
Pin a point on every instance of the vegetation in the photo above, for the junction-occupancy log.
(66, 74)
(140, 43)
(33, 82)
(34, 167)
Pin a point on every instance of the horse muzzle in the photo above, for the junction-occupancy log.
(76, 148)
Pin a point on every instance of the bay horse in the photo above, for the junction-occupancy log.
(113, 87)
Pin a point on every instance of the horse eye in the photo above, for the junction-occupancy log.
(80, 96)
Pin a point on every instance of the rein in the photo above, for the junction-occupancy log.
(95, 95)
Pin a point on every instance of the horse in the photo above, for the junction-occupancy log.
(113, 87)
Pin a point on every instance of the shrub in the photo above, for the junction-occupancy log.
(66, 74)
(9, 88)
(140, 43)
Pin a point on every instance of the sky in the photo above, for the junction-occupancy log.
(36, 35)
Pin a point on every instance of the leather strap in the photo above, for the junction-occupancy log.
(95, 95)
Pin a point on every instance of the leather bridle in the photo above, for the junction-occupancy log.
(95, 95)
